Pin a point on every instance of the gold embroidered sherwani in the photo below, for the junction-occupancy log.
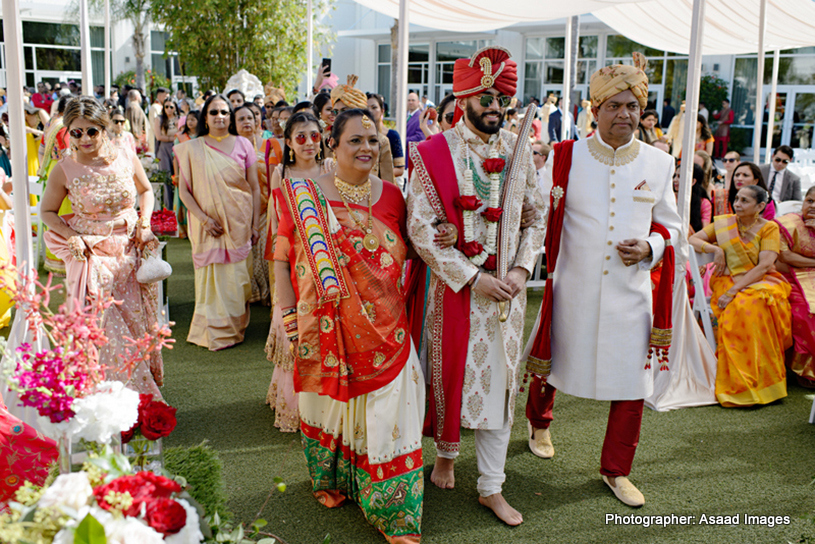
(494, 348)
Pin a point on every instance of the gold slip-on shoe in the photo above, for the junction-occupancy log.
(625, 491)
(541, 442)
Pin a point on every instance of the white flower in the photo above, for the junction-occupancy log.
(71, 490)
(191, 533)
(113, 408)
(131, 531)
(65, 536)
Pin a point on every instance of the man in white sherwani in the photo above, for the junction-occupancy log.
(601, 311)
(472, 357)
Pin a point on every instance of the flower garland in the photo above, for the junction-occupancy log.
(482, 255)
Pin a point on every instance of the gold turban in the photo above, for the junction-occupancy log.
(349, 94)
(274, 94)
(611, 80)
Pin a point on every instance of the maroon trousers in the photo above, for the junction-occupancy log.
(622, 431)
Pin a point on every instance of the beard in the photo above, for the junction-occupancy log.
(480, 124)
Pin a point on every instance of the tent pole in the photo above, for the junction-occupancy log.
(399, 109)
(85, 51)
(107, 49)
(691, 109)
(565, 123)
(771, 118)
(309, 48)
(759, 114)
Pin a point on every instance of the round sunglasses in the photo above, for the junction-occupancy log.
(486, 99)
(77, 133)
(301, 138)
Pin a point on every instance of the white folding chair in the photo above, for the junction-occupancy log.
(701, 303)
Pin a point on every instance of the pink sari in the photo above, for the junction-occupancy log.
(797, 237)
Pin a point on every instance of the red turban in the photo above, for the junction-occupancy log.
(490, 67)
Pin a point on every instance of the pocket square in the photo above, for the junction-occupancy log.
(643, 186)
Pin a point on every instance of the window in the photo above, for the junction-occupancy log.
(162, 62)
(383, 75)
(545, 63)
(446, 55)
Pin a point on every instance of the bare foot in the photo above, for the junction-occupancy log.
(442, 474)
(502, 509)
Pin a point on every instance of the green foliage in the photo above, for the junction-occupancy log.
(90, 531)
(216, 38)
(151, 79)
(740, 138)
(712, 92)
(202, 469)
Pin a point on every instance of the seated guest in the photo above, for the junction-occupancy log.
(701, 209)
(797, 263)
(649, 131)
(749, 300)
(747, 173)
(783, 184)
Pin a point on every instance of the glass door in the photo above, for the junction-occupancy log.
(801, 120)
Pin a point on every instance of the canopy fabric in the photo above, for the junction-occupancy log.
(484, 15)
(731, 26)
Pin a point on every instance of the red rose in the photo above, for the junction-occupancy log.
(491, 263)
(140, 490)
(494, 166)
(127, 436)
(162, 486)
(493, 215)
(165, 516)
(471, 249)
(468, 203)
(157, 420)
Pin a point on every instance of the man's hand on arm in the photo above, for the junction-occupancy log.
(633, 251)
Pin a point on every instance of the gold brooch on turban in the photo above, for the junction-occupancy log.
(612, 80)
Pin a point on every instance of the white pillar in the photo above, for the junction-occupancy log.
(309, 48)
(107, 49)
(691, 111)
(85, 51)
(771, 118)
(762, 30)
(400, 108)
(567, 75)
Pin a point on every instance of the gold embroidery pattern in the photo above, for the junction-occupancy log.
(396, 435)
(436, 359)
(480, 352)
(303, 308)
(610, 157)
(475, 405)
(301, 270)
(646, 199)
(427, 184)
(330, 361)
(486, 380)
(409, 464)
(400, 335)
(369, 310)
(469, 379)
(305, 350)
(386, 260)
(326, 325)
(379, 358)
(390, 239)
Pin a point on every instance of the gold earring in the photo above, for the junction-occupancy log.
(291, 154)
(319, 156)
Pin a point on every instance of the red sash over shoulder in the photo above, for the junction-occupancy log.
(450, 327)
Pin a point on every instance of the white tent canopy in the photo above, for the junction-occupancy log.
(731, 26)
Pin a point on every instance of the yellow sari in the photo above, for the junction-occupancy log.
(755, 327)
(223, 265)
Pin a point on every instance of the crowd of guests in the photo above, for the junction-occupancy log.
(245, 178)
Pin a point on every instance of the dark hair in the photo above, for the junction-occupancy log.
(759, 193)
(305, 105)
(706, 134)
(300, 118)
(203, 127)
(233, 91)
(162, 90)
(320, 101)
(281, 104)
(192, 114)
(648, 113)
(380, 100)
(343, 118)
(116, 110)
(87, 108)
(786, 150)
(444, 102)
(697, 193)
(256, 111)
(164, 121)
(731, 196)
(63, 103)
(810, 190)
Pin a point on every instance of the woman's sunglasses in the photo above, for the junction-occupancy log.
(215, 113)
(118, 121)
(77, 133)
(301, 138)
(449, 117)
(730, 160)
(486, 99)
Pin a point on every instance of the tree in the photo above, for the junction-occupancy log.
(216, 38)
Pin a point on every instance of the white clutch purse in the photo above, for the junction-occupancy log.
(153, 268)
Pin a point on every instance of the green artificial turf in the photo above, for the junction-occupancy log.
(709, 460)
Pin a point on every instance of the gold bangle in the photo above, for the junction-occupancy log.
(144, 222)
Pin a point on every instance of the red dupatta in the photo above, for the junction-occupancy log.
(450, 328)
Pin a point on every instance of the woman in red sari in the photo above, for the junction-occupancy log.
(340, 254)
(797, 263)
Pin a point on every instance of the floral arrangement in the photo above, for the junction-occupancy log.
(482, 254)
(103, 504)
(156, 420)
(163, 221)
(66, 382)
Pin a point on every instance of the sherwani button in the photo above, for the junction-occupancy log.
(605, 272)
(613, 171)
(613, 199)
(611, 227)
(608, 256)
(613, 186)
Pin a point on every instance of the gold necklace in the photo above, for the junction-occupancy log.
(219, 139)
(369, 241)
(354, 193)
(744, 230)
